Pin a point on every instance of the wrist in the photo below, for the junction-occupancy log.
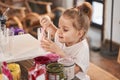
(61, 53)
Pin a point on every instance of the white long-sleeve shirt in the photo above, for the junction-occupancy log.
(79, 52)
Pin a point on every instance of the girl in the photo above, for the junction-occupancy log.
(70, 36)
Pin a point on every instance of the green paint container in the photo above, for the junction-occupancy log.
(55, 71)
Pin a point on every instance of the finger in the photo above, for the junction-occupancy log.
(43, 35)
(47, 48)
(44, 20)
(45, 42)
(44, 46)
(43, 23)
(48, 40)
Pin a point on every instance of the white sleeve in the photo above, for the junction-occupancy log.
(82, 58)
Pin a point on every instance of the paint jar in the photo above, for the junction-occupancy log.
(69, 66)
(55, 71)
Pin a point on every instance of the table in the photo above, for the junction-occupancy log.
(97, 73)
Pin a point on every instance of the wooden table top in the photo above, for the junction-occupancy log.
(25, 65)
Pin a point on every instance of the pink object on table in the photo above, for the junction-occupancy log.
(6, 72)
(42, 60)
(37, 72)
(53, 57)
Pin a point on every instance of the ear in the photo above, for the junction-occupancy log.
(81, 33)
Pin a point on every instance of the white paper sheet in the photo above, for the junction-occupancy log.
(24, 47)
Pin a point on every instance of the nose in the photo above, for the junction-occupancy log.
(59, 31)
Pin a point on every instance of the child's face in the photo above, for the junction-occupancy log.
(67, 33)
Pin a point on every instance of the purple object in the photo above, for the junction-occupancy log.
(17, 30)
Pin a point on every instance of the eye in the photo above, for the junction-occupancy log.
(65, 30)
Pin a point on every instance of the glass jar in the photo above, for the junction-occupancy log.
(69, 66)
(55, 71)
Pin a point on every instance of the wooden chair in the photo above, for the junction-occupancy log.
(29, 15)
(14, 22)
(40, 7)
(17, 16)
(14, 10)
(31, 23)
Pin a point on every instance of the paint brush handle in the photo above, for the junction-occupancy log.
(6, 11)
(49, 35)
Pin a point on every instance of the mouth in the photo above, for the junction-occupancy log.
(60, 37)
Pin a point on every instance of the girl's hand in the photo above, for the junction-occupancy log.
(50, 46)
(45, 21)
(48, 25)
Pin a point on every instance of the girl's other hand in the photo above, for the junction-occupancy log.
(50, 46)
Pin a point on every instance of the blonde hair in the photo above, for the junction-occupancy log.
(80, 16)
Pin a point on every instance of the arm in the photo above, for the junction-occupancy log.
(50, 46)
(77, 69)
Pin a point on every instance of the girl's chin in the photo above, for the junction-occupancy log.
(61, 41)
